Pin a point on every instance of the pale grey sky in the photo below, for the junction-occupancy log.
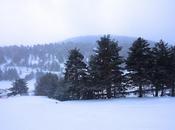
(43, 21)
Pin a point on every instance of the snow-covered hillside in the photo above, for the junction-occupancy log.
(41, 113)
(29, 61)
(51, 57)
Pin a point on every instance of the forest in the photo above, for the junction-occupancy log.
(147, 71)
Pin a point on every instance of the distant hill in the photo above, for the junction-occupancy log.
(88, 43)
(51, 57)
(94, 38)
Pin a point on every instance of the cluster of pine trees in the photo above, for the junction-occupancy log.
(147, 70)
(151, 70)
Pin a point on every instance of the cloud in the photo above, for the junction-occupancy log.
(41, 21)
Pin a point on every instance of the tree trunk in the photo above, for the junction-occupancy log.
(172, 91)
(140, 91)
(157, 92)
(162, 91)
(114, 91)
(109, 94)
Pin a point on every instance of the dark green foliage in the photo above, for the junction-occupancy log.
(75, 73)
(171, 71)
(104, 68)
(116, 75)
(46, 85)
(62, 91)
(19, 87)
(93, 79)
(161, 63)
(138, 64)
(39, 74)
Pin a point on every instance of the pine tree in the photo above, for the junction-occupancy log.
(171, 71)
(75, 74)
(93, 80)
(61, 92)
(138, 63)
(19, 87)
(46, 85)
(116, 73)
(104, 68)
(161, 63)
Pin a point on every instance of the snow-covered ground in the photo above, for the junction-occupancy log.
(5, 84)
(41, 113)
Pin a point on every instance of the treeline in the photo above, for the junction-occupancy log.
(51, 56)
(146, 71)
(32, 57)
(9, 74)
(12, 74)
(46, 57)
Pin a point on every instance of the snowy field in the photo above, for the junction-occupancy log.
(41, 113)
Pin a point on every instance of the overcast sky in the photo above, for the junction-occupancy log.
(43, 21)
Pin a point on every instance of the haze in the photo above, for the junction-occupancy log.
(44, 21)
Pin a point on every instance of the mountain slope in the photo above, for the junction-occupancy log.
(51, 57)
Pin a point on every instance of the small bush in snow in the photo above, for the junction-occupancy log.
(19, 87)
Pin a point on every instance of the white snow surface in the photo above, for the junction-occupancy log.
(5, 84)
(41, 113)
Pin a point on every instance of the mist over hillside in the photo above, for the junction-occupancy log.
(52, 56)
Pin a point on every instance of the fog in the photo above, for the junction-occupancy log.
(43, 21)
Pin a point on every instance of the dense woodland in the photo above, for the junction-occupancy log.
(42, 57)
(146, 71)
(46, 57)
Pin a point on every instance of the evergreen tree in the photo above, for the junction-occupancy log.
(39, 74)
(138, 63)
(171, 71)
(19, 87)
(104, 68)
(75, 74)
(47, 85)
(62, 90)
(115, 76)
(161, 64)
(93, 79)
